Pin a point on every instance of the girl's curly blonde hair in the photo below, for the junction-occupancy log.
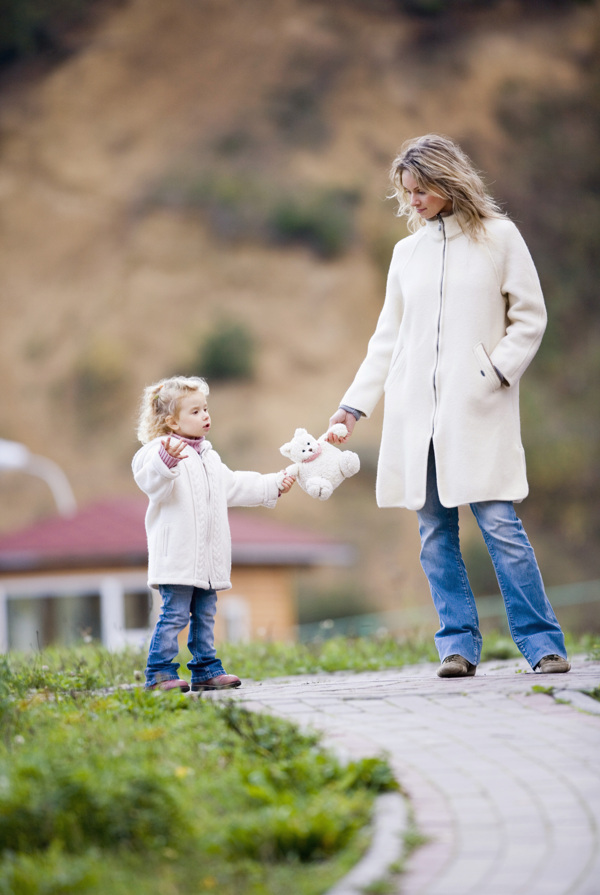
(161, 400)
(440, 166)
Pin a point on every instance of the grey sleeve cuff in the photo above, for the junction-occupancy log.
(355, 413)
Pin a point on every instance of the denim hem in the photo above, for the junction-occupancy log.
(208, 677)
(540, 645)
(454, 645)
(162, 680)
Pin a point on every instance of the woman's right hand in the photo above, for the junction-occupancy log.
(349, 421)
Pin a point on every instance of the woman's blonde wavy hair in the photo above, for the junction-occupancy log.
(440, 166)
(161, 401)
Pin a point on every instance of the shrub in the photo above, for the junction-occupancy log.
(280, 831)
(323, 222)
(49, 873)
(34, 26)
(83, 804)
(238, 207)
(227, 353)
(98, 381)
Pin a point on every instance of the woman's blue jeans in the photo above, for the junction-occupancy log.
(183, 604)
(531, 619)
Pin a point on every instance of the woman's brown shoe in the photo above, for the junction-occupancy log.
(456, 666)
(552, 665)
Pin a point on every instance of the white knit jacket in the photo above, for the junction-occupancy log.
(189, 541)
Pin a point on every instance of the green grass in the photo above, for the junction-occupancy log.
(262, 660)
(157, 792)
(91, 667)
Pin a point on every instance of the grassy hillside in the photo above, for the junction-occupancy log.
(189, 165)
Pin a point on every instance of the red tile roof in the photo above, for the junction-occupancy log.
(112, 533)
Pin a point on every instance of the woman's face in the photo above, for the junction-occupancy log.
(426, 204)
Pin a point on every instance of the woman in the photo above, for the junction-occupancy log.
(463, 318)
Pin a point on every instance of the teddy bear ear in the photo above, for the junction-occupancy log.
(300, 432)
(286, 450)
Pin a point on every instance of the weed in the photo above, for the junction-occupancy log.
(538, 688)
(499, 647)
(380, 887)
(593, 650)
(413, 838)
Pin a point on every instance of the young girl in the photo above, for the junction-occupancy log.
(463, 318)
(189, 542)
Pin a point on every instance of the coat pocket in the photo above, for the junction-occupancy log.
(487, 372)
(164, 540)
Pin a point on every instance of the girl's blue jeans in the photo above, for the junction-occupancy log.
(183, 604)
(531, 619)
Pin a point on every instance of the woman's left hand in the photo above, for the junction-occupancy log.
(349, 421)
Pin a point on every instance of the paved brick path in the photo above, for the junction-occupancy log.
(504, 781)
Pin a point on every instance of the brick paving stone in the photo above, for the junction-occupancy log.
(504, 780)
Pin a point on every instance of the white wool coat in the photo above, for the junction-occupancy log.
(455, 309)
(189, 540)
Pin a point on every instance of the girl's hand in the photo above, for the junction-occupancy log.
(174, 450)
(348, 419)
(288, 481)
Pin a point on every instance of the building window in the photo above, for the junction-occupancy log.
(58, 619)
(138, 605)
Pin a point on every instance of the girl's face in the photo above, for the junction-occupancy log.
(426, 204)
(193, 418)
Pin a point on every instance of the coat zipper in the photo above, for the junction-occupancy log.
(439, 324)
(209, 525)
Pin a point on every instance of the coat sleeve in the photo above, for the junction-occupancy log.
(526, 311)
(153, 476)
(367, 387)
(250, 489)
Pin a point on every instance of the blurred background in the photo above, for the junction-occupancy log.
(199, 186)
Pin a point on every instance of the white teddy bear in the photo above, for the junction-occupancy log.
(319, 467)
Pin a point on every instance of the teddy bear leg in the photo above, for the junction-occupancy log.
(319, 487)
(349, 463)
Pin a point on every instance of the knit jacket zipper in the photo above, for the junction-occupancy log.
(439, 323)
(209, 522)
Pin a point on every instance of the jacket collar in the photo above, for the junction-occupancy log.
(196, 443)
(435, 230)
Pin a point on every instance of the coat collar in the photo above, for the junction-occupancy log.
(451, 227)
